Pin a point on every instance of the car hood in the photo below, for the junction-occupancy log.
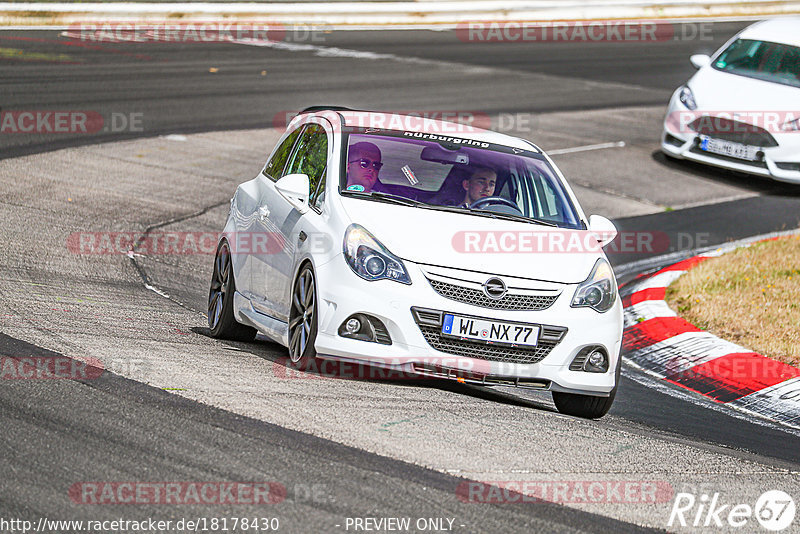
(721, 91)
(475, 243)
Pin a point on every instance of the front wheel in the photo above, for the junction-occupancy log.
(586, 406)
(303, 319)
(220, 300)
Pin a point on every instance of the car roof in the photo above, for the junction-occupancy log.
(784, 30)
(413, 123)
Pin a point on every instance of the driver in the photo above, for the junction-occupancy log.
(479, 185)
(363, 166)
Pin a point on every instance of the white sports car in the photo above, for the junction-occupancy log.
(741, 110)
(460, 255)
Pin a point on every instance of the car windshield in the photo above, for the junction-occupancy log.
(772, 62)
(455, 174)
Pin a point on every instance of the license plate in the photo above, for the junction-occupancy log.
(729, 148)
(490, 331)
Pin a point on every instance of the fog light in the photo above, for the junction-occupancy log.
(365, 328)
(353, 325)
(590, 359)
(597, 359)
(597, 362)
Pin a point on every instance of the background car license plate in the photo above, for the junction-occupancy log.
(493, 331)
(729, 148)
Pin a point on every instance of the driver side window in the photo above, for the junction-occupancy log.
(310, 157)
(276, 164)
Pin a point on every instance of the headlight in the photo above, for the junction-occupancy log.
(369, 259)
(599, 291)
(687, 98)
(792, 126)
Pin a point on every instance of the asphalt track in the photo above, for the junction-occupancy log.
(372, 448)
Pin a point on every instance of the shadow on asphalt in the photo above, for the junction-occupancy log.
(333, 370)
(757, 184)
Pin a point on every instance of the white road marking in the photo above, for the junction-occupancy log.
(329, 51)
(336, 52)
(584, 148)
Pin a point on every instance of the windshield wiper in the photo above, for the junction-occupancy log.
(384, 197)
(513, 217)
(491, 214)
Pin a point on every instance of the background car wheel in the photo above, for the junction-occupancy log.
(587, 406)
(303, 319)
(220, 300)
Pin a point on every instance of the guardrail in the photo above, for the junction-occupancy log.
(435, 13)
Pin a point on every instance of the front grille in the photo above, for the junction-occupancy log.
(734, 131)
(476, 297)
(430, 324)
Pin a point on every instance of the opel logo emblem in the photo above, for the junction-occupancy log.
(494, 288)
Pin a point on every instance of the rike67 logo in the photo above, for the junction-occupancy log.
(774, 510)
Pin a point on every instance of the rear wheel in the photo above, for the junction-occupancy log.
(220, 300)
(303, 319)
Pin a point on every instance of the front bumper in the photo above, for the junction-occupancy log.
(780, 162)
(342, 293)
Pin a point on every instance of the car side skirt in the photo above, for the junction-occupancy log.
(274, 329)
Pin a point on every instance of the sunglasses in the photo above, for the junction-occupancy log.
(365, 163)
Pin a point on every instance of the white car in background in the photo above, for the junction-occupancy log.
(741, 110)
(512, 288)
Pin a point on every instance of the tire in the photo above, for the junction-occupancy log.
(303, 319)
(220, 300)
(587, 406)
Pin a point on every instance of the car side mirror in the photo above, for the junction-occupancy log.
(296, 189)
(700, 60)
(603, 229)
